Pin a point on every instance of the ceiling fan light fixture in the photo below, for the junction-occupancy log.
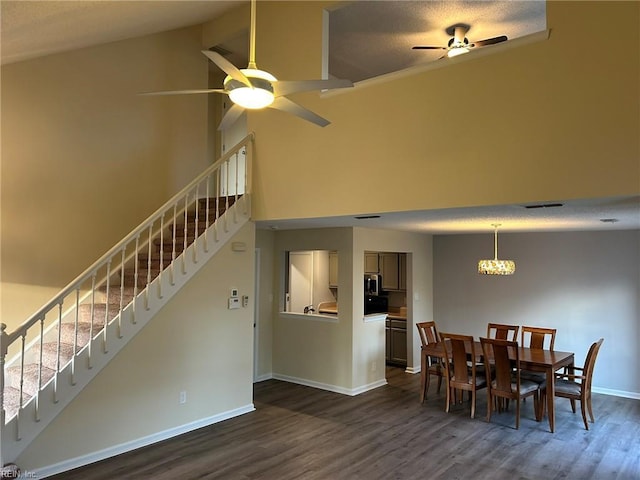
(260, 96)
(455, 51)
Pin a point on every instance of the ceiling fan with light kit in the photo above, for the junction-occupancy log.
(254, 89)
(459, 43)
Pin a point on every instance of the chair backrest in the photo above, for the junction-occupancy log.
(496, 355)
(536, 337)
(428, 333)
(455, 349)
(590, 364)
(502, 331)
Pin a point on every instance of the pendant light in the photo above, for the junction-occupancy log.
(495, 266)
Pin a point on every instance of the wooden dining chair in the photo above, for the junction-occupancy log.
(429, 365)
(539, 338)
(503, 331)
(460, 367)
(505, 382)
(577, 387)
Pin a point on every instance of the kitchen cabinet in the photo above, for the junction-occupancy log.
(389, 269)
(371, 262)
(393, 269)
(402, 272)
(396, 342)
(333, 269)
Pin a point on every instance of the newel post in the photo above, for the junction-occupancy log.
(4, 345)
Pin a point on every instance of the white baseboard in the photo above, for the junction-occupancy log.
(138, 443)
(264, 377)
(616, 393)
(331, 388)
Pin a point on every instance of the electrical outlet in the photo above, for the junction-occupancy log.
(183, 397)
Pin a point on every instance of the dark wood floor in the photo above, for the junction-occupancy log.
(299, 432)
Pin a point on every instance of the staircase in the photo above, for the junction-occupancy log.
(49, 359)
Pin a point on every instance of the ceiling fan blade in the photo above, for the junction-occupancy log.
(231, 116)
(227, 67)
(286, 87)
(286, 105)
(490, 41)
(425, 47)
(183, 92)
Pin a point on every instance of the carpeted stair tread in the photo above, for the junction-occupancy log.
(11, 397)
(31, 372)
(99, 312)
(50, 352)
(114, 294)
(68, 333)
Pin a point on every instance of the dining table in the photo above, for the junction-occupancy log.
(538, 360)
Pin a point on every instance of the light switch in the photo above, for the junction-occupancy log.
(234, 302)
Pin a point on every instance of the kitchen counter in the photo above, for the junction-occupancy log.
(397, 313)
(328, 308)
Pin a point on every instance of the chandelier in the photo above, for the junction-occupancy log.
(495, 266)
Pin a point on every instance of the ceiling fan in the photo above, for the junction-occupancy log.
(254, 89)
(459, 43)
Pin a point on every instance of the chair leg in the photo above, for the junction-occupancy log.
(517, 415)
(490, 401)
(439, 383)
(473, 403)
(590, 409)
(573, 405)
(583, 409)
(424, 384)
(448, 399)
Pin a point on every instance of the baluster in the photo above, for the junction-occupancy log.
(161, 266)
(75, 339)
(105, 345)
(121, 292)
(184, 246)
(217, 215)
(3, 355)
(58, 352)
(173, 243)
(40, 369)
(226, 197)
(207, 212)
(196, 227)
(235, 200)
(23, 338)
(93, 312)
(149, 241)
(136, 266)
(245, 180)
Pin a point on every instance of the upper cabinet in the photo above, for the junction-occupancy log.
(393, 267)
(371, 262)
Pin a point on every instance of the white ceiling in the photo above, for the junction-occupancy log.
(368, 38)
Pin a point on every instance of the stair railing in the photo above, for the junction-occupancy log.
(200, 204)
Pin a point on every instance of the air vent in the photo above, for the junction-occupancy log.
(365, 217)
(544, 205)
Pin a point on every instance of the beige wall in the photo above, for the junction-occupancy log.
(194, 344)
(307, 349)
(85, 159)
(557, 119)
(266, 301)
(348, 355)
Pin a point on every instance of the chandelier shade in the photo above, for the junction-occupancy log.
(495, 266)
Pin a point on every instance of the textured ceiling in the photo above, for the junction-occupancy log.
(371, 38)
(32, 29)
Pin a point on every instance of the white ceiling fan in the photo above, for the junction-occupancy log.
(252, 88)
